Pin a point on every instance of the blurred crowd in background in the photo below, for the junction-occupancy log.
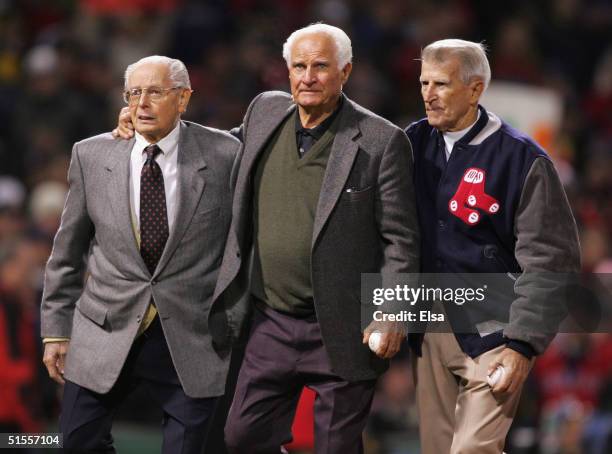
(61, 79)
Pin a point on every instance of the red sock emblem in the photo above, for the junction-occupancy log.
(471, 194)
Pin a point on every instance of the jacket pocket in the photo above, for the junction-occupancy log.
(355, 194)
(490, 251)
(207, 215)
(95, 312)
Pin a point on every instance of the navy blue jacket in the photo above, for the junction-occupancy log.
(468, 207)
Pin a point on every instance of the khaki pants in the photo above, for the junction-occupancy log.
(458, 414)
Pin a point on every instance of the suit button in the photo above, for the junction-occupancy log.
(138, 319)
(441, 224)
(153, 282)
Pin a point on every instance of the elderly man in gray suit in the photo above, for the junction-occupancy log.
(147, 219)
(323, 194)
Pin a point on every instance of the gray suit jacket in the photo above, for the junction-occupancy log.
(96, 235)
(365, 223)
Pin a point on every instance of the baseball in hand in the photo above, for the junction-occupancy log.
(495, 376)
(374, 341)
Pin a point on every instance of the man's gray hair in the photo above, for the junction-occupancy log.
(176, 70)
(472, 58)
(344, 51)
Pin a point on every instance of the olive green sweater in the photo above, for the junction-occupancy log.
(286, 194)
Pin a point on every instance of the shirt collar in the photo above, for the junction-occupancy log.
(456, 135)
(167, 145)
(318, 131)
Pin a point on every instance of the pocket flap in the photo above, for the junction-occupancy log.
(354, 194)
(207, 215)
(96, 312)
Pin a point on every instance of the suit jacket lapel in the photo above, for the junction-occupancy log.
(190, 186)
(258, 136)
(341, 158)
(118, 166)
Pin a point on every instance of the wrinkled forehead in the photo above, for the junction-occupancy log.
(449, 67)
(149, 75)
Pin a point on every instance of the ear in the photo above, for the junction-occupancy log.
(476, 89)
(346, 72)
(184, 98)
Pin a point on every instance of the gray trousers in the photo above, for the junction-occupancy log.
(284, 354)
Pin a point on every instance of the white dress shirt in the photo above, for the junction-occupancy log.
(167, 161)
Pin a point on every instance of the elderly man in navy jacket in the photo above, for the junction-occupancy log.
(489, 201)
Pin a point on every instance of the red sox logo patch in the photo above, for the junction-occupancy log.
(471, 194)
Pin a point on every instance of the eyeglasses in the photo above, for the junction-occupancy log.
(155, 93)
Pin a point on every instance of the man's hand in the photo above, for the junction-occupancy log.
(125, 128)
(516, 369)
(392, 336)
(54, 358)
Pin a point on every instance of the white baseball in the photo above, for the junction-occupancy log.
(495, 376)
(374, 341)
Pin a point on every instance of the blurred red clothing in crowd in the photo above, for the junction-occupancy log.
(127, 6)
(575, 366)
(303, 423)
(18, 365)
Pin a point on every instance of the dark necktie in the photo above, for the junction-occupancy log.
(153, 214)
